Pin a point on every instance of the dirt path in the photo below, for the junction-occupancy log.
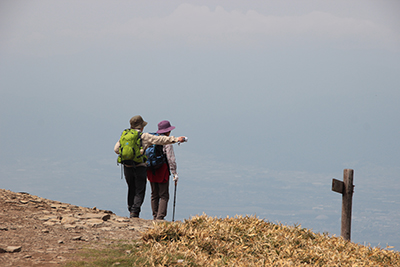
(39, 232)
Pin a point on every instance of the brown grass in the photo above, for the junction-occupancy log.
(249, 241)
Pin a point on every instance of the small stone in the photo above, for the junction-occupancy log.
(77, 238)
(122, 219)
(13, 249)
(106, 217)
(94, 222)
(27, 256)
(69, 220)
(70, 226)
(100, 216)
(50, 223)
(45, 231)
(60, 242)
(48, 217)
(108, 211)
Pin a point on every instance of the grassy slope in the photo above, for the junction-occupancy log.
(239, 241)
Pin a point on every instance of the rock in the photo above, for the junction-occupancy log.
(70, 226)
(12, 249)
(106, 217)
(106, 228)
(102, 216)
(94, 222)
(69, 220)
(48, 217)
(50, 223)
(107, 211)
(122, 219)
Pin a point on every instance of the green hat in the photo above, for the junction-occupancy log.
(137, 122)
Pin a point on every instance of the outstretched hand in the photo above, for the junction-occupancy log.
(181, 139)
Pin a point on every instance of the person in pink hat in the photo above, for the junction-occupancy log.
(159, 178)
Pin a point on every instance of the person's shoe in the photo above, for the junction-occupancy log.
(134, 215)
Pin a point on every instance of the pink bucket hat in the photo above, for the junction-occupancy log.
(165, 127)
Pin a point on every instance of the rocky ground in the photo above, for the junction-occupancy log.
(39, 232)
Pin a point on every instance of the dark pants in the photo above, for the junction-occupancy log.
(159, 200)
(136, 180)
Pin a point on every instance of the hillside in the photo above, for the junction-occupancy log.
(38, 232)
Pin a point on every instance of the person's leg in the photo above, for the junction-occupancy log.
(140, 190)
(130, 180)
(164, 197)
(155, 198)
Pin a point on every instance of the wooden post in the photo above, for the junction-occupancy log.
(346, 189)
(347, 200)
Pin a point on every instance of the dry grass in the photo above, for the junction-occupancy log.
(249, 241)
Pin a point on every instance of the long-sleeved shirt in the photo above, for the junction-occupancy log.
(169, 151)
(148, 140)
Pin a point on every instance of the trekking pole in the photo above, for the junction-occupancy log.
(176, 183)
(173, 212)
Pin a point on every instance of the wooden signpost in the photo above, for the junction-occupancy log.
(346, 189)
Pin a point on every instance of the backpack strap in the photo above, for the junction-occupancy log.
(141, 146)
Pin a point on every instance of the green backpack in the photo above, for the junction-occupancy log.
(130, 144)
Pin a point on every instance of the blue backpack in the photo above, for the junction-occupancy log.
(155, 156)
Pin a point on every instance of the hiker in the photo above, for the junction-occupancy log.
(159, 177)
(135, 171)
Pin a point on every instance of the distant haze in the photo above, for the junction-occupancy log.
(277, 98)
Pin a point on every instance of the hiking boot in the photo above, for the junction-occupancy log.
(134, 215)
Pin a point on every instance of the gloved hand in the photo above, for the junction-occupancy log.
(175, 177)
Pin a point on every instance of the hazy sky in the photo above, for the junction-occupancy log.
(298, 90)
